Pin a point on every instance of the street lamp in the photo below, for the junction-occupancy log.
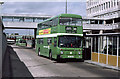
(1, 7)
(66, 7)
(1, 31)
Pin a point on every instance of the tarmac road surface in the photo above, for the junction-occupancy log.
(40, 66)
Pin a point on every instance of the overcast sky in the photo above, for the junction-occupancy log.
(43, 8)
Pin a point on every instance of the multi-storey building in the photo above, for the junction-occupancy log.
(106, 10)
(104, 43)
(103, 8)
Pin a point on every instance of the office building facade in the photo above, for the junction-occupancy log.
(104, 43)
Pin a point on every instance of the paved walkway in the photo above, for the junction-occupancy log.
(13, 66)
(6, 65)
(103, 65)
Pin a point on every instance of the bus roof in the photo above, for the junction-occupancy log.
(63, 15)
(70, 15)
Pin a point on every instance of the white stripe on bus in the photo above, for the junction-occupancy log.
(56, 34)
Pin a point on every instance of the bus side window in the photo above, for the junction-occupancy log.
(49, 41)
(55, 42)
(40, 41)
(20, 41)
(37, 41)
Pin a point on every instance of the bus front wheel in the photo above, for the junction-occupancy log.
(38, 52)
(50, 55)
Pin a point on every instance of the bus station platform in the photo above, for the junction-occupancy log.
(102, 65)
(14, 67)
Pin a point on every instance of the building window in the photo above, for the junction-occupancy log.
(112, 45)
(106, 5)
(109, 4)
(99, 7)
(90, 10)
(102, 6)
(87, 4)
(117, 2)
(95, 9)
(114, 2)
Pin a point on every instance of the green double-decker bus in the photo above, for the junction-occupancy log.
(60, 37)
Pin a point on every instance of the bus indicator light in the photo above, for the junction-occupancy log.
(60, 49)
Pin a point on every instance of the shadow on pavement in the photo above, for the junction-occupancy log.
(16, 67)
(95, 69)
(67, 60)
(22, 47)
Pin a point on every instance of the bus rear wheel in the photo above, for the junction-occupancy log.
(38, 52)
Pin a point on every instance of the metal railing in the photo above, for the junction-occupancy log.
(101, 26)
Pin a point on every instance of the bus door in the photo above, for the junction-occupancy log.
(54, 46)
(49, 42)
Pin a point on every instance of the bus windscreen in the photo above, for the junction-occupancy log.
(70, 41)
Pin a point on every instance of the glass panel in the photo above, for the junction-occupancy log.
(110, 42)
(93, 44)
(49, 41)
(55, 41)
(87, 42)
(42, 26)
(119, 45)
(16, 19)
(7, 19)
(114, 46)
(55, 22)
(100, 44)
(104, 45)
(96, 44)
(38, 20)
(40, 41)
(29, 20)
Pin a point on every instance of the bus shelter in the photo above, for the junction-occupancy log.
(105, 48)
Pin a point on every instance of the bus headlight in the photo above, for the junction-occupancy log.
(75, 28)
(79, 53)
(80, 49)
(61, 52)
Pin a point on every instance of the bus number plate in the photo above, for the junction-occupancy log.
(71, 56)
